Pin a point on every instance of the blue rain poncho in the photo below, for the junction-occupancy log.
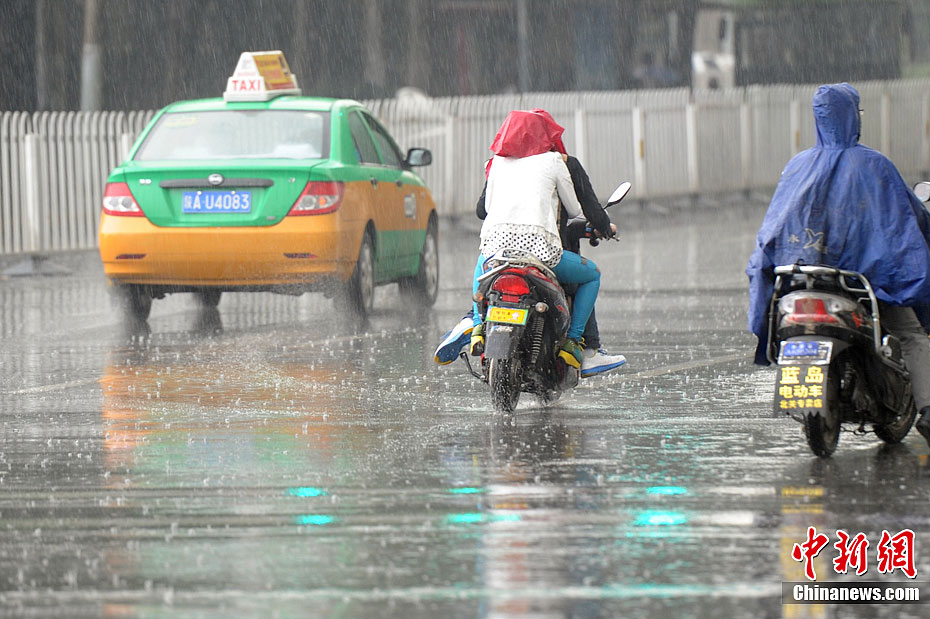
(845, 205)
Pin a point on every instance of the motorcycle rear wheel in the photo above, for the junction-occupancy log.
(895, 431)
(504, 380)
(823, 431)
(822, 437)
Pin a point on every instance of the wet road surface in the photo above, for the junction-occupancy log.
(273, 459)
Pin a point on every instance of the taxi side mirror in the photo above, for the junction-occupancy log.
(418, 157)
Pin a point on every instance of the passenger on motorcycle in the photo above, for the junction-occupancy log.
(526, 179)
(845, 205)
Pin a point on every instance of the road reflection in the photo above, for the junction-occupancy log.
(254, 440)
(272, 455)
(243, 403)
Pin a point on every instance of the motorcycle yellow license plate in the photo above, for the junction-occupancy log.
(508, 315)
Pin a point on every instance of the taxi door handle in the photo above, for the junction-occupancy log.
(399, 183)
(374, 181)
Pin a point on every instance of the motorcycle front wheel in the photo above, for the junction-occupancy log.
(504, 380)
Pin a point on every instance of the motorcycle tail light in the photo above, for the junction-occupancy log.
(808, 309)
(537, 273)
(511, 284)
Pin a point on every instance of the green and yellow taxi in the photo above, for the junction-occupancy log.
(267, 190)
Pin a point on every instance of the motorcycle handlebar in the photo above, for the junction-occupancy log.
(580, 229)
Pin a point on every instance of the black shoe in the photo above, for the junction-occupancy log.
(923, 424)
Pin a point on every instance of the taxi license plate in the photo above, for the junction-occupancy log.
(806, 351)
(217, 202)
(509, 315)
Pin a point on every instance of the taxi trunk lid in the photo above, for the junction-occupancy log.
(235, 194)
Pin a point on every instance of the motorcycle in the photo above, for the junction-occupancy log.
(835, 364)
(526, 316)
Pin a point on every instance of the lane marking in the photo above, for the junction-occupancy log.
(669, 369)
(55, 387)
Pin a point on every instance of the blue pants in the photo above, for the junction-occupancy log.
(571, 269)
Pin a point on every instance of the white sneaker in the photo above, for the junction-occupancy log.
(599, 361)
(454, 341)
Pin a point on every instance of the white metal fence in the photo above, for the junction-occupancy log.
(53, 166)
(671, 142)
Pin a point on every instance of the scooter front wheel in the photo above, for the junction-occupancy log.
(504, 380)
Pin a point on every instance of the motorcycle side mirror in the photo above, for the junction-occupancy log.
(621, 191)
(922, 191)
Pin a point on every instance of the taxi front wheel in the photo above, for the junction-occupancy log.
(424, 286)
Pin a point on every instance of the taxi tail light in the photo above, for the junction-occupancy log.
(118, 200)
(318, 198)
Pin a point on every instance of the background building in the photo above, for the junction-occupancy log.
(140, 54)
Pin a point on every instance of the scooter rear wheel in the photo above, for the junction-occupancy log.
(823, 431)
(504, 380)
(822, 436)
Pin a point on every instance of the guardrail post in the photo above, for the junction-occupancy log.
(886, 124)
(581, 135)
(925, 150)
(125, 145)
(694, 180)
(795, 114)
(639, 151)
(448, 183)
(31, 241)
(745, 144)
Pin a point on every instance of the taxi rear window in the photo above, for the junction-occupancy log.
(235, 134)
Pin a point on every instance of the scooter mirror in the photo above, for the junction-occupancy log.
(922, 191)
(619, 193)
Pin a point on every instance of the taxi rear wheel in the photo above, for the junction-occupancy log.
(360, 292)
(135, 301)
(424, 286)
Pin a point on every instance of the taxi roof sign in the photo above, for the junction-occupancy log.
(260, 76)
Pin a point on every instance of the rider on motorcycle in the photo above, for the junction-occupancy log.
(845, 205)
(526, 180)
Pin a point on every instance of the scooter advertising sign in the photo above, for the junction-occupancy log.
(800, 388)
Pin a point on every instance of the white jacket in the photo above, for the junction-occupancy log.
(522, 203)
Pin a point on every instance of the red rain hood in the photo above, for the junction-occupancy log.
(528, 132)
